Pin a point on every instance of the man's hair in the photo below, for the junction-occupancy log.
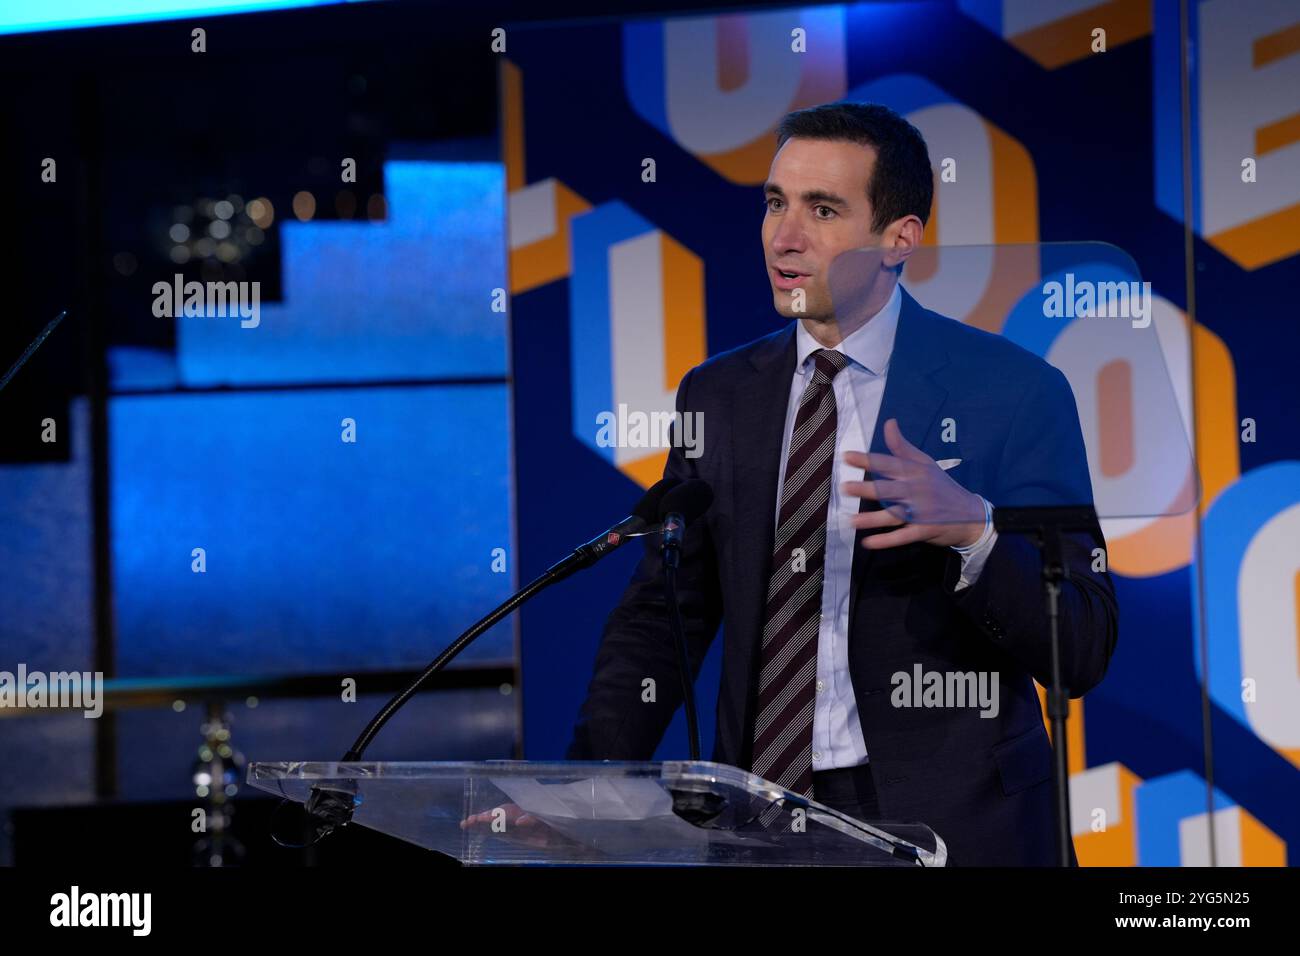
(902, 182)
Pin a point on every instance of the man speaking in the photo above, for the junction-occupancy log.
(850, 549)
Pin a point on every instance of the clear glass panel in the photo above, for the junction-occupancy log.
(605, 813)
(1111, 432)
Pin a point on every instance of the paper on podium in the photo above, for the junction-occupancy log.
(596, 812)
(596, 798)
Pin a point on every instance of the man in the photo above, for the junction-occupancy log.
(848, 542)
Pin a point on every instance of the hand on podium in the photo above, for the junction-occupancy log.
(512, 823)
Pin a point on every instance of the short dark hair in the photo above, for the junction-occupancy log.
(902, 182)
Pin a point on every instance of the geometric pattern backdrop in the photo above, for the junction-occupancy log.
(620, 284)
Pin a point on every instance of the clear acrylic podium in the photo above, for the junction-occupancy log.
(676, 813)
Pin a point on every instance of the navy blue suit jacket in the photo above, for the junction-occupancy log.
(983, 784)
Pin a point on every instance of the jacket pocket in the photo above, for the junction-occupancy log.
(1024, 761)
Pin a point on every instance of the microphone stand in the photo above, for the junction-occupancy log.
(674, 526)
(1046, 527)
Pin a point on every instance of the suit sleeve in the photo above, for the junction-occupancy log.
(1044, 463)
(617, 721)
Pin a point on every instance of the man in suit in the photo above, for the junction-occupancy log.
(849, 543)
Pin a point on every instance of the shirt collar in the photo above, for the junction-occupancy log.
(868, 346)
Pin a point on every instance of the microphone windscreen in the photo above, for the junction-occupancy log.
(647, 509)
(690, 499)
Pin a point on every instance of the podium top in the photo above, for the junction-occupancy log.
(601, 812)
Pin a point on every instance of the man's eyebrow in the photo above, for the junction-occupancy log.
(810, 197)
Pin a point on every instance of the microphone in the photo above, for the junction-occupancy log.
(680, 506)
(647, 510)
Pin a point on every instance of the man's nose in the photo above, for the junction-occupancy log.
(789, 237)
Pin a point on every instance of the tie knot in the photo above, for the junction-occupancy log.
(827, 364)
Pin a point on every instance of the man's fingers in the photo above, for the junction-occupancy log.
(902, 512)
(858, 459)
(876, 463)
(880, 490)
(892, 539)
(513, 815)
(884, 518)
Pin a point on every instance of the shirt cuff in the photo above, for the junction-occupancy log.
(973, 556)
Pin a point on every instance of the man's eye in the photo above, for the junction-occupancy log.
(828, 209)
(771, 202)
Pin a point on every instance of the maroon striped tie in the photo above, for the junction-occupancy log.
(783, 727)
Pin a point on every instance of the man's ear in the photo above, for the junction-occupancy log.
(902, 238)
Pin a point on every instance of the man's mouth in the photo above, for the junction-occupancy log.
(786, 280)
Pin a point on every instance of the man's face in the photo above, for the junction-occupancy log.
(817, 208)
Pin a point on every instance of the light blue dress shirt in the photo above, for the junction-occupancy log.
(859, 388)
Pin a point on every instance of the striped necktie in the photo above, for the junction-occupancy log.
(783, 728)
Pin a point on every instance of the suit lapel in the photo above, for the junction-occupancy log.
(913, 395)
(760, 402)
